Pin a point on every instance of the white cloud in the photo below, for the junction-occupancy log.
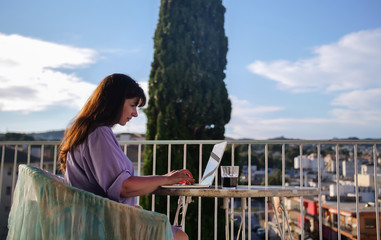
(29, 76)
(249, 121)
(359, 99)
(351, 63)
(144, 86)
(360, 106)
(349, 68)
(245, 110)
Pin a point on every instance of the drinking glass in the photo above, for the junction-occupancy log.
(229, 176)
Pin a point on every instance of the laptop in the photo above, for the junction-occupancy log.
(210, 170)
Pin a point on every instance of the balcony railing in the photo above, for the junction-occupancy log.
(300, 162)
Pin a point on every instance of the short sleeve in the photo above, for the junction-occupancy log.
(111, 166)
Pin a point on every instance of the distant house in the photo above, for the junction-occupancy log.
(366, 177)
(135, 152)
(309, 162)
(130, 137)
(330, 162)
(349, 221)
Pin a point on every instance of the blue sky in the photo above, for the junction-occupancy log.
(298, 69)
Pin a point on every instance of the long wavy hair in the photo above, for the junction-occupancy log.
(103, 108)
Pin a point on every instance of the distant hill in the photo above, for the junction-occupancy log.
(11, 136)
(51, 135)
(57, 135)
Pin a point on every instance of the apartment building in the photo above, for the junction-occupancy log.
(349, 221)
(8, 178)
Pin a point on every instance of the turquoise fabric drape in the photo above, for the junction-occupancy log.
(45, 208)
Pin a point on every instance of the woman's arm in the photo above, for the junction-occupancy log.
(137, 186)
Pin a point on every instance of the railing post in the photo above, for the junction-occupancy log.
(153, 173)
(185, 156)
(232, 202)
(199, 198)
(338, 191)
(14, 171)
(319, 189)
(55, 159)
(169, 169)
(139, 167)
(2, 168)
(28, 156)
(301, 185)
(376, 192)
(283, 184)
(249, 184)
(266, 184)
(357, 193)
(42, 149)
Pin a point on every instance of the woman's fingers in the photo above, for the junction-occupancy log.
(183, 176)
(189, 178)
(187, 172)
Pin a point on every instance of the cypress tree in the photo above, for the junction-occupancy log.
(188, 99)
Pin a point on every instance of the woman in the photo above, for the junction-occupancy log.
(90, 155)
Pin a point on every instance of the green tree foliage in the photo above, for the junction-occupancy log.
(188, 99)
(275, 178)
(16, 137)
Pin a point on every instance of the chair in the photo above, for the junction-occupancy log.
(44, 207)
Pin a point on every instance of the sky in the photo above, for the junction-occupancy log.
(297, 69)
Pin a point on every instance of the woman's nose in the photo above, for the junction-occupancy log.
(135, 113)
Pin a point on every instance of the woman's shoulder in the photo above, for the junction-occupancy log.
(102, 131)
(103, 136)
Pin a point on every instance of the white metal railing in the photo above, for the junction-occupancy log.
(44, 155)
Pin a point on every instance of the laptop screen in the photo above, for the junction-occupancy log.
(213, 163)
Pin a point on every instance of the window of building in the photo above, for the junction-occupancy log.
(8, 191)
(334, 220)
(370, 223)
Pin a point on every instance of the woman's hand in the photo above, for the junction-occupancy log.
(180, 176)
(141, 185)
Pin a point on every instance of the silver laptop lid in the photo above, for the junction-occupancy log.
(213, 163)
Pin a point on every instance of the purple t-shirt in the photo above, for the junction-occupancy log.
(99, 165)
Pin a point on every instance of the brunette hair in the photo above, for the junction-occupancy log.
(103, 108)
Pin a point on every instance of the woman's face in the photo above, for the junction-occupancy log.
(129, 110)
